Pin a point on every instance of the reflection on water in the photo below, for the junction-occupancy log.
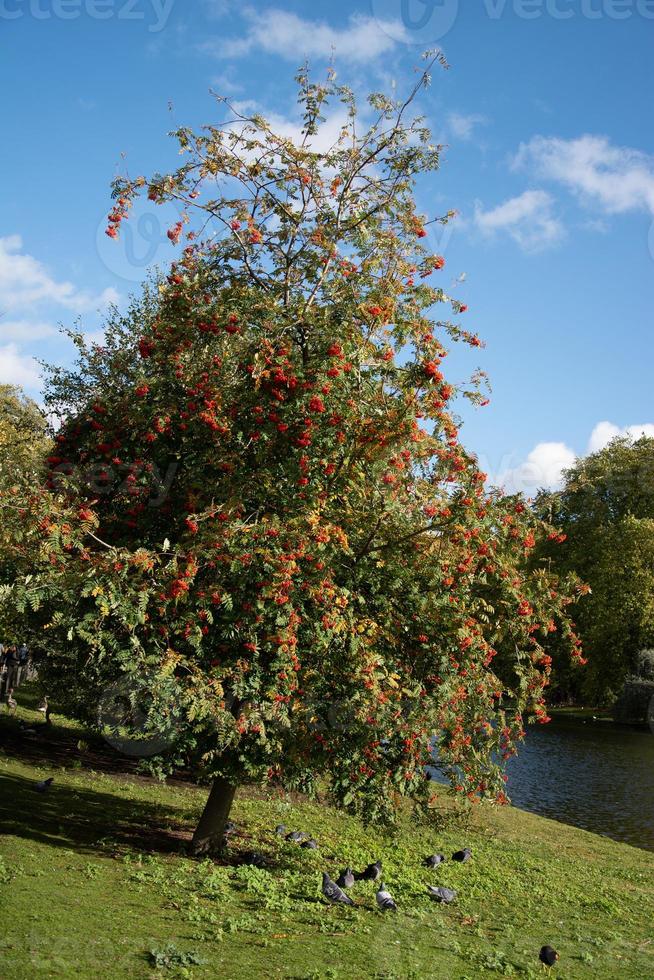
(593, 775)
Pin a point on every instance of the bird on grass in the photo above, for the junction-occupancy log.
(296, 836)
(548, 956)
(44, 785)
(230, 828)
(463, 855)
(43, 707)
(280, 829)
(442, 894)
(12, 703)
(433, 860)
(310, 845)
(345, 879)
(372, 872)
(333, 892)
(385, 900)
(254, 859)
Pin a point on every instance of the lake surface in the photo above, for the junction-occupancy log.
(593, 775)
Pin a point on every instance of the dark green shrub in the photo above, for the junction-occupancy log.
(631, 707)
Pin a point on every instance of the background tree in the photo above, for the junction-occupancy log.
(278, 537)
(606, 511)
(24, 443)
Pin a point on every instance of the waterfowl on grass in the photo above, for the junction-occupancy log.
(548, 956)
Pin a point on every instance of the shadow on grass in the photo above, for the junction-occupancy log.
(54, 744)
(85, 819)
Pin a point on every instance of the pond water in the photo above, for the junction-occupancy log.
(593, 775)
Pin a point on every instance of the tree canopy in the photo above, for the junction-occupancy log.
(259, 510)
(24, 444)
(606, 511)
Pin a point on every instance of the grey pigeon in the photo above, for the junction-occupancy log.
(280, 829)
(310, 845)
(254, 859)
(296, 836)
(230, 828)
(345, 879)
(442, 894)
(333, 892)
(463, 855)
(385, 899)
(372, 872)
(44, 785)
(433, 860)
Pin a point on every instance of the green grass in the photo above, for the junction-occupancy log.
(94, 884)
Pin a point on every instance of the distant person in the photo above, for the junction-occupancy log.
(22, 655)
(11, 665)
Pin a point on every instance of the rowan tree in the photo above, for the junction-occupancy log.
(278, 536)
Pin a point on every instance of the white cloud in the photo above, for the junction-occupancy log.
(463, 126)
(544, 465)
(528, 219)
(604, 432)
(18, 369)
(289, 36)
(24, 282)
(543, 468)
(25, 330)
(328, 132)
(224, 84)
(619, 178)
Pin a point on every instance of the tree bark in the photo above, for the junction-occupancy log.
(209, 832)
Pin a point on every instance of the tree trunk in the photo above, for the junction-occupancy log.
(209, 832)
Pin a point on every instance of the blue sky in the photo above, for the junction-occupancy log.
(546, 112)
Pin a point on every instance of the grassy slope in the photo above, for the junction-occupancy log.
(92, 878)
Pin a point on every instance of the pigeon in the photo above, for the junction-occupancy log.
(442, 894)
(345, 879)
(385, 899)
(433, 860)
(548, 956)
(310, 845)
(254, 859)
(12, 703)
(463, 855)
(296, 836)
(230, 828)
(333, 892)
(372, 872)
(44, 785)
(280, 829)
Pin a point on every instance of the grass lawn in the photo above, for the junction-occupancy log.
(94, 884)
